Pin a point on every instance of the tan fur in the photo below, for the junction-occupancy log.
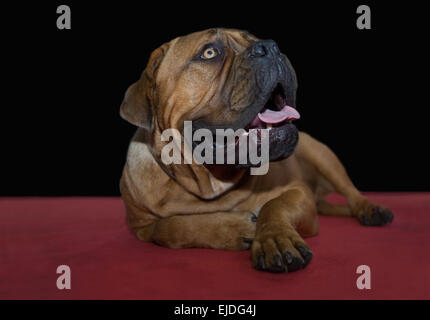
(182, 206)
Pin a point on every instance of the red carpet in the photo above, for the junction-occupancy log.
(107, 262)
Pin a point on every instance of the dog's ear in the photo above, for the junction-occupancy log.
(137, 106)
(292, 80)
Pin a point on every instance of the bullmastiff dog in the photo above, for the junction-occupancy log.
(224, 78)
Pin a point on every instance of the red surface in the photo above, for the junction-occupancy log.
(108, 262)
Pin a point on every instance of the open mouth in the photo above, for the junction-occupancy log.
(276, 116)
(275, 112)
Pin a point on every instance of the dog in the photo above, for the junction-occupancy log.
(226, 78)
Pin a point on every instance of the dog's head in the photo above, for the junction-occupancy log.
(218, 79)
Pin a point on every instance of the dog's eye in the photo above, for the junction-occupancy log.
(209, 53)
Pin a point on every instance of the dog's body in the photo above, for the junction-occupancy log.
(214, 206)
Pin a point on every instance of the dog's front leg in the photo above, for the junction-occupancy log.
(278, 245)
(221, 230)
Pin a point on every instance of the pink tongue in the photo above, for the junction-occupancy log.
(273, 117)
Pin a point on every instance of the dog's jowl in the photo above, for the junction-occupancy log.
(230, 79)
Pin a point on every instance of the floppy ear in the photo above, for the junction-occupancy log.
(137, 106)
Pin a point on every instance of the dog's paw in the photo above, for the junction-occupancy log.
(370, 214)
(282, 251)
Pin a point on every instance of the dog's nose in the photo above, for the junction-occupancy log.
(263, 48)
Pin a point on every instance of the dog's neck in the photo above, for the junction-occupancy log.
(205, 182)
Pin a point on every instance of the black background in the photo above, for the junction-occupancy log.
(362, 92)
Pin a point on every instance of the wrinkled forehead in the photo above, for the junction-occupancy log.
(183, 49)
(237, 40)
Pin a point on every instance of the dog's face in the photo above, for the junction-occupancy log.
(218, 79)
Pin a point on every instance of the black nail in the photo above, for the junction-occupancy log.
(288, 257)
(376, 218)
(296, 264)
(278, 260)
(306, 254)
